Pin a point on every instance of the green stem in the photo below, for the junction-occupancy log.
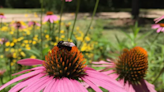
(61, 12)
(94, 12)
(41, 46)
(1, 78)
(162, 70)
(10, 70)
(50, 31)
(33, 34)
(1, 22)
(77, 10)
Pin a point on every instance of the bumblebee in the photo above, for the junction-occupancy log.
(65, 44)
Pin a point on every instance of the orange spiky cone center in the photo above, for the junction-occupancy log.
(49, 13)
(161, 24)
(2, 14)
(132, 65)
(63, 63)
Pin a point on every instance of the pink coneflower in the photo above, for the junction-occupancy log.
(3, 41)
(159, 27)
(18, 25)
(2, 16)
(130, 70)
(50, 17)
(62, 71)
(33, 23)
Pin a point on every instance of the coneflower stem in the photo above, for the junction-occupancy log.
(162, 70)
(50, 31)
(77, 10)
(94, 12)
(61, 12)
(1, 23)
(41, 46)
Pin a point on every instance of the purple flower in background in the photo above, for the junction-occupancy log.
(33, 23)
(2, 72)
(159, 27)
(50, 17)
(130, 70)
(18, 25)
(2, 16)
(3, 41)
(62, 71)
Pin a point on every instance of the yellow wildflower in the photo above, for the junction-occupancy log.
(25, 41)
(1, 56)
(7, 43)
(23, 54)
(11, 44)
(62, 31)
(34, 42)
(34, 57)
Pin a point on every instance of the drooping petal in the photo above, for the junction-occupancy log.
(20, 78)
(159, 19)
(51, 19)
(37, 85)
(78, 86)
(25, 83)
(30, 62)
(44, 84)
(69, 85)
(46, 18)
(104, 81)
(36, 68)
(159, 29)
(97, 89)
(55, 86)
(150, 86)
(102, 76)
(49, 86)
(154, 26)
(105, 84)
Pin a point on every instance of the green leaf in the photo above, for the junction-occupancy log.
(144, 35)
(35, 52)
(45, 51)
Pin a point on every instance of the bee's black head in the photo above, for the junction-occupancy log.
(60, 44)
(66, 45)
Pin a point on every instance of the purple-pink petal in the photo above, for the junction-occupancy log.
(30, 62)
(78, 86)
(37, 85)
(49, 86)
(159, 29)
(20, 78)
(69, 85)
(155, 26)
(55, 86)
(97, 89)
(46, 18)
(36, 68)
(159, 19)
(25, 83)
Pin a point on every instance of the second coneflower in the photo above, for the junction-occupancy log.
(130, 70)
(63, 71)
(50, 17)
